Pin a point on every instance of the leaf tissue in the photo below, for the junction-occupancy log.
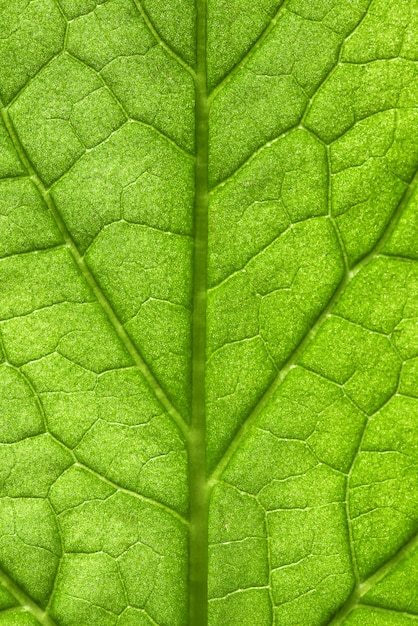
(208, 312)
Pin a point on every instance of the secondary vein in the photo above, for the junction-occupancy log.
(313, 331)
(90, 279)
(160, 40)
(361, 589)
(249, 54)
(25, 600)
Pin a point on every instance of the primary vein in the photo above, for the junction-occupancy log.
(199, 495)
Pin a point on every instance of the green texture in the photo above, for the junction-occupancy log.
(209, 312)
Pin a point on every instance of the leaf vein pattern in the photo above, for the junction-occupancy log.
(33, 78)
(310, 101)
(313, 331)
(25, 600)
(362, 588)
(83, 465)
(91, 281)
(139, 5)
(125, 113)
(249, 54)
(388, 612)
(194, 434)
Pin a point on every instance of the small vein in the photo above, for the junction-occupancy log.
(58, 569)
(235, 541)
(301, 124)
(262, 250)
(145, 612)
(150, 127)
(330, 213)
(236, 591)
(354, 600)
(370, 331)
(113, 614)
(87, 468)
(24, 252)
(389, 611)
(160, 40)
(349, 519)
(34, 77)
(399, 257)
(313, 331)
(34, 393)
(125, 113)
(248, 55)
(91, 281)
(27, 603)
(337, 64)
(121, 489)
(254, 155)
(12, 610)
(269, 561)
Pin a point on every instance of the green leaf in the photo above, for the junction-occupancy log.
(209, 312)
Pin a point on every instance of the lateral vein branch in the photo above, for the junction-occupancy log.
(292, 360)
(25, 601)
(91, 281)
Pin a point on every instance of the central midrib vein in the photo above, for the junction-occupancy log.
(199, 495)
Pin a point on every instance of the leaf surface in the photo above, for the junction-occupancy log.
(208, 313)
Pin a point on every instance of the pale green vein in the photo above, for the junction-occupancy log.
(337, 64)
(249, 55)
(349, 520)
(116, 486)
(64, 17)
(91, 281)
(299, 125)
(25, 600)
(154, 32)
(399, 257)
(269, 560)
(257, 44)
(84, 466)
(253, 156)
(361, 589)
(120, 105)
(387, 611)
(330, 213)
(13, 610)
(161, 41)
(238, 591)
(24, 252)
(33, 78)
(359, 585)
(34, 393)
(127, 491)
(125, 113)
(144, 612)
(58, 570)
(150, 127)
(313, 331)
